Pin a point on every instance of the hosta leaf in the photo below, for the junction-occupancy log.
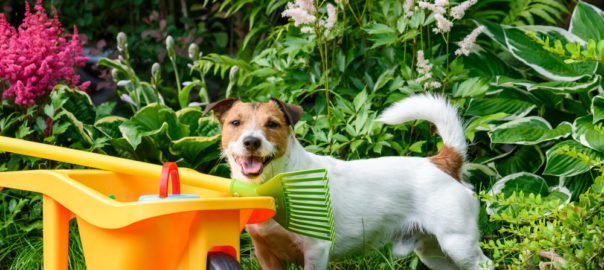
(75, 101)
(208, 127)
(585, 84)
(523, 159)
(193, 149)
(514, 108)
(578, 184)
(481, 123)
(535, 56)
(597, 107)
(588, 134)
(528, 131)
(522, 181)
(527, 183)
(152, 120)
(190, 116)
(587, 22)
(79, 127)
(110, 126)
(471, 87)
(566, 158)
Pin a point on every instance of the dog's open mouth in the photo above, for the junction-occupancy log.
(252, 165)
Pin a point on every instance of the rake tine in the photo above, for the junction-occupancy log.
(293, 216)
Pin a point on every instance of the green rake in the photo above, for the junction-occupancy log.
(302, 199)
(305, 195)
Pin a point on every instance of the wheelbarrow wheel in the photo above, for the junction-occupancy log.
(222, 261)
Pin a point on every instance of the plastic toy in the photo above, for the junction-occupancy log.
(120, 232)
(302, 198)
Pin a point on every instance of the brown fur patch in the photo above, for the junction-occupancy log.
(274, 251)
(255, 116)
(449, 161)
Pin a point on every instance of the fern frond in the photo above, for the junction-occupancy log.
(527, 11)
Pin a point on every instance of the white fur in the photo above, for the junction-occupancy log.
(435, 109)
(407, 201)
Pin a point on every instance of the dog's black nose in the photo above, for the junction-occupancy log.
(251, 143)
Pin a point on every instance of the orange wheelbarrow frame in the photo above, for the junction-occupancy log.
(123, 233)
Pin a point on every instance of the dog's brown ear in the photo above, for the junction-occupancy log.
(292, 112)
(220, 107)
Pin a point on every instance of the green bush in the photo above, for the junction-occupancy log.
(533, 111)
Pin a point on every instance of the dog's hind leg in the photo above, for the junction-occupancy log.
(463, 249)
(316, 254)
(403, 246)
(430, 253)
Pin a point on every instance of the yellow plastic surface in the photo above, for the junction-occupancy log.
(127, 234)
(109, 163)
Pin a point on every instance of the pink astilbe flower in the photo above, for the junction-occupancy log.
(37, 56)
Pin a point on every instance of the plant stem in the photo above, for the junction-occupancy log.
(177, 78)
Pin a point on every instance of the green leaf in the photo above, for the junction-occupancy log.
(588, 134)
(587, 22)
(565, 159)
(383, 79)
(110, 126)
(378, 28)
(481, 123)
(183, 96)
(471, 87)
(49, 110)
(40, 123)
(597, 107)
(529, 131)
(155, 120)
(207, 126)
(523, 48)
(195, 149)
(360, 100)
(523, 159)
(78, 125)
(75, 101)
(383, 39)
(416, 147)
(190, 116)
(514, 108)
(525, 182)
(584, 84)
(113, 64)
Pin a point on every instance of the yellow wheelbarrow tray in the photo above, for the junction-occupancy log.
(123, 233)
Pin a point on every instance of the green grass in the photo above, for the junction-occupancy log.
(375, 259)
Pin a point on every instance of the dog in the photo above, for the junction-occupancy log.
(417, 204)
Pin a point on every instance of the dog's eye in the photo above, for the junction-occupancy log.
(235, 123)
(272, 124)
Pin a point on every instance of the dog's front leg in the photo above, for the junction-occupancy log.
(316, 254)
(267, 259)
(263, 251)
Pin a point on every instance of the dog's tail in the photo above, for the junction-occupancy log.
(441, 113)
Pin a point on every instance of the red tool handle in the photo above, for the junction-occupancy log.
(169, 170)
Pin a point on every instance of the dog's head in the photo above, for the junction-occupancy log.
(254, 135)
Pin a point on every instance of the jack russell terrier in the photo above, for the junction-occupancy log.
(417, 204)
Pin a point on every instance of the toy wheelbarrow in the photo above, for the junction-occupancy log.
(120, 232)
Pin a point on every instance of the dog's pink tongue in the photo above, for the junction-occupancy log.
(251, 165)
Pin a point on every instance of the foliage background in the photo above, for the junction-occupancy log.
(519, 120)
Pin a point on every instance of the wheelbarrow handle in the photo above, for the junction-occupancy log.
(110, 163)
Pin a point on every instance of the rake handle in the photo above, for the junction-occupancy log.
(109, 163)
